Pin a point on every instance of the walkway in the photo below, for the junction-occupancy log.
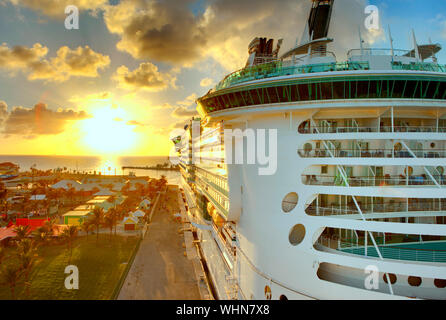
(160, 270)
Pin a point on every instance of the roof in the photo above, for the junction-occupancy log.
(138, 213)
(105, 192)
(130, 220)
(66, 184)
(38, 197)
(77, 213)
(7, 233)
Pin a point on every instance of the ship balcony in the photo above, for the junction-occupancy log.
(367, 181)
(395, 246)
(420, 251)
(376, 125)
(409, 209)
(371, 153)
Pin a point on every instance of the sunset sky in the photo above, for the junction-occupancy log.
(131, 73)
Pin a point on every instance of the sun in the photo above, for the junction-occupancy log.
(107, 132)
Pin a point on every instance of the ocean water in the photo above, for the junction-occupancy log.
(90, 164)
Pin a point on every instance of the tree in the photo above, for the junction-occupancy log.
(11, 277)
(70, 235)
(26, 252)
(97, 219)
(109, 222)
(21, 232)
(114, 215)
(86, 226)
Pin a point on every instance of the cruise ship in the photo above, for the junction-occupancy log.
(355, 207)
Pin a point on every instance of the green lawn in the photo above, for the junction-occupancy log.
(100, 269)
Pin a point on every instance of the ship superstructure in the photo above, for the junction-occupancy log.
(357, 206)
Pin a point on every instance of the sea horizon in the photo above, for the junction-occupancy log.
(105, 165)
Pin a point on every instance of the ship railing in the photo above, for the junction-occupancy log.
(283, 68)
(366, 129)
(392, 251)
(371, 153)
(421, 66)
(376, 52)
(395, 207)
(367, 181)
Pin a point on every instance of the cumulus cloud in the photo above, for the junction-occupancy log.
(182, 112)
(188, 101)
(206, 82)
(169, 31)
(56, 8)
(146, 76)
(3, 111)
(39, 120)
(80, 62)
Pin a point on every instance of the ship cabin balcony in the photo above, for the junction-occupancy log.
(395, 246)
(373, 149)
(373, 176)
(389, 209)
(373, 125)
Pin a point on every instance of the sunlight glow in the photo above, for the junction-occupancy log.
(107, 132)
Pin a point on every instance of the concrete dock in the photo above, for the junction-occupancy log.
(161, 270)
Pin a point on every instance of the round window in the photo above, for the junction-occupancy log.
(392, 278)
(308, 147)
(414, 281)
(297, 234)
(440, 283)
(289, 202)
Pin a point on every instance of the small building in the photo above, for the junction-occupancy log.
(145, 204)
(76, 217)
(138, 214)
(130, 223)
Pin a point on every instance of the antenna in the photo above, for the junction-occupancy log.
(414, 39)
(360, 41)
(434, 57)
(391, 42)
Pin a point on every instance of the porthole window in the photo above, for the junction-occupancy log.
(414, 281)
(307, 148)
(440, 283)
(290, 202)
(268, 294)
(297, 234)
(392, 278)
(410, 171)
(283, 297)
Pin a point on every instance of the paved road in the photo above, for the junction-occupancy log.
(160, 270)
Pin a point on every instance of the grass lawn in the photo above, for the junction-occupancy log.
(100, 269)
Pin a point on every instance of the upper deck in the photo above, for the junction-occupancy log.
(367, 74)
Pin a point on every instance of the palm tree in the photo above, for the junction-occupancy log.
(86, 226)
(97, 220)
(21, 232)
(109, 222)
(11, 276)
(26, 251)
(41, 235)
(70, 234)
(114, 215)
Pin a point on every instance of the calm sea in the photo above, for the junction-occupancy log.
(105, 165)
